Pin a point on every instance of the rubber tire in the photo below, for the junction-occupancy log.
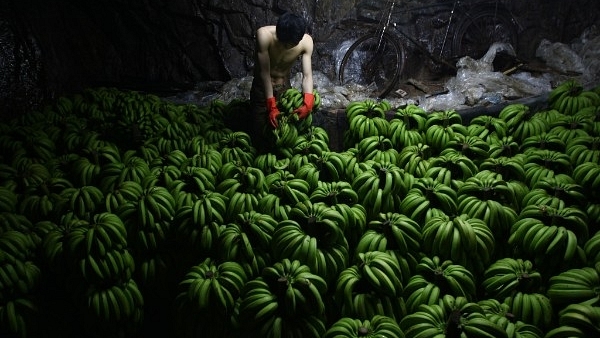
(389, 63)
(472, 38)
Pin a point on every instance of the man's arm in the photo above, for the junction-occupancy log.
(263, 41)
(307, 75)
(307, 79)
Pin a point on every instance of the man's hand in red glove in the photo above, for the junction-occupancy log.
(306, 107)
(273, 111)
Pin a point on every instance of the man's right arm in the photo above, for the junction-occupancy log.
(263, 41)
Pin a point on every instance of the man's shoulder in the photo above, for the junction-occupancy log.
(266, 29)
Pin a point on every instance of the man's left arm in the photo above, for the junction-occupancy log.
(307, 80)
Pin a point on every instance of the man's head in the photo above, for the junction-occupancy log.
(290, 28)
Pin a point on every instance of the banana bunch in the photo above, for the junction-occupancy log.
(422, 292)
(451, 168)
(18, 244)
(133, 168)
(198, 225)
(382, 272)
(588, 176)
(530, 127)
(247, 241)
(515, 114)
(17, 317)
(557, 192)
(414, 159)
(575, 286)
(489, 198)
(454, 279)
(581, 319)
(314, 132)
(325, 251)
(366, 118)
(332, 193)
(18, 278)
(304, 149)
(407, 126)
(428, 197)
(402, 134)
(24, 175)
(571, 127)
(378, 188)
(510, 169)
(299, 291)
(570, 97)
(508, 275)
(355, 218)
(377, 240)
(487, 127)
(124, 195)
(584, 149)
(285, 137)
(402, 234)
(472, 147)
(211, 286)
(410, 117)
(592, 113)
(592, 248)
(363, 303)
(378, 326)
(377, 148)
(284, 191)
(531, 308)
(353, 163)
(115, 308)
(85, 172)
(540, 241)
(516, 329)
(187, 185)
(572, 218)
(293, 98)
(546, 140)
(458, 238)
(240, 200)
(37, 146)
(467, 320)
(269, 163)
(84, 201)
(522, 121)
(100, 248)
(332, 167)
(549, 114)
(236, 146)
(506, 146)
(262, 310)
(438, 136)
(204, 155)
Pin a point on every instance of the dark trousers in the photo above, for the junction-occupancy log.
(262, 131)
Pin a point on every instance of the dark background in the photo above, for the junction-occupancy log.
(53, 47)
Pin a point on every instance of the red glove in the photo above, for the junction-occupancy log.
(307, 106)
(273, 111)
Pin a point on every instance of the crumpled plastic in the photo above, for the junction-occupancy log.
(560, 57)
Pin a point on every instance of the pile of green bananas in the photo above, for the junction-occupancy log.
(422, 226)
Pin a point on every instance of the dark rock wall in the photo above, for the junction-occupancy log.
(54, 47)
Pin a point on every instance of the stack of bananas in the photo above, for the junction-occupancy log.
(423, 226)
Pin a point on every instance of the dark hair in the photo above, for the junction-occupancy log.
(290, 28)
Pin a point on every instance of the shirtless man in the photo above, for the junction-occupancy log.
(277, 49)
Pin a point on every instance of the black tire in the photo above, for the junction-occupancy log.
(368, 61)
(479, 29)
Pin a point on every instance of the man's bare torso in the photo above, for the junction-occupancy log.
(282, 57)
